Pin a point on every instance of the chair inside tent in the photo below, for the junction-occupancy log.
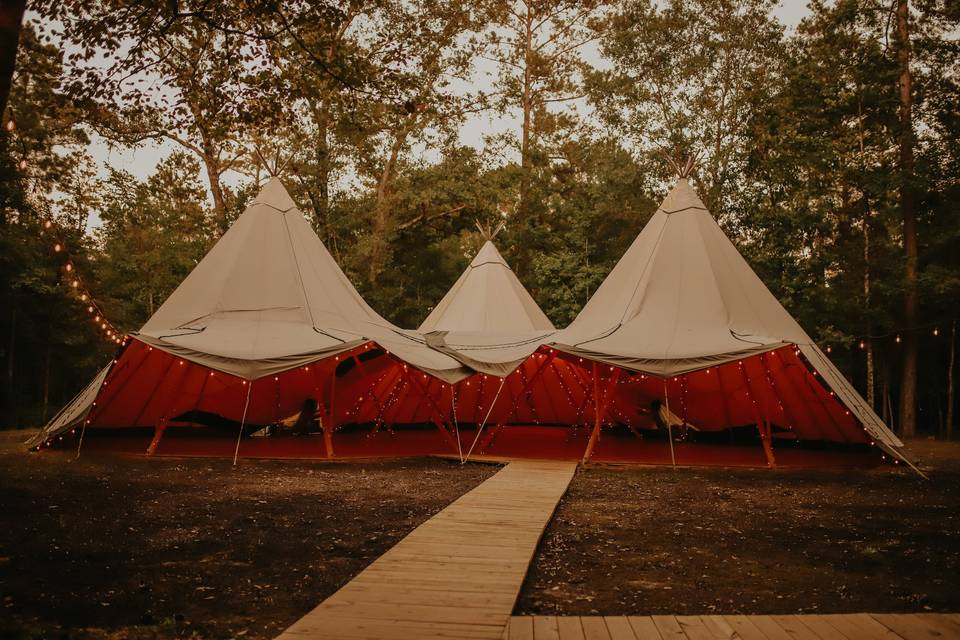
(263, 326)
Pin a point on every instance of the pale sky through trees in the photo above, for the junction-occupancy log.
(142, 161)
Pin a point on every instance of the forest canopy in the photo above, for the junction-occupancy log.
(829, 152)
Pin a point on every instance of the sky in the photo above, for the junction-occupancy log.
(142, 161)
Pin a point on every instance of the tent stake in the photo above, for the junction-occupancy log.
(243, 419)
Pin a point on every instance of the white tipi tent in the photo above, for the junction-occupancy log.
(267, 300)
(683, 305)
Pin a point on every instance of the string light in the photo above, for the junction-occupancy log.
(110, 332)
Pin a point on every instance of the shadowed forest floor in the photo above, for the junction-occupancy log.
(696, 541)
(114, 547)
(119, 547)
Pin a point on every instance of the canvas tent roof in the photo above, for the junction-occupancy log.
(683, 299)
(270, 297)
(487, 319)
(487, 297)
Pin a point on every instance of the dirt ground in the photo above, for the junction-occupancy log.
(115, 547)
(112, 547)
(658, 541)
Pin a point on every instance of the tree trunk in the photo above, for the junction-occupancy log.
(11, 18)
(322, 202)
(527, 106)
(11, 367)
(908, 384)
(950, 398)
(212, 166)
(868, 341)
(381, 221)
(46, 381)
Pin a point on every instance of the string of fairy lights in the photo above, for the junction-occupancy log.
(106, 329)
(932, 327)
(68, 266)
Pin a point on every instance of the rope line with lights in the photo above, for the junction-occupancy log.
(106, 328)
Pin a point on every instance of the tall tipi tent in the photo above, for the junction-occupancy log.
(258, 326)
(686, 312)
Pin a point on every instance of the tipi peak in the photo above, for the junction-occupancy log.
(274, 194)
(488, 253)
(682, 197)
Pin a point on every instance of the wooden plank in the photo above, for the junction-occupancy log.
(744, 627)
(822, 628)
(643, 628)
(545, 628)
(521, 628)
(915, 626)
(860, 625)
(619, 628)
(769, 628)
(669, 628)
(694, 628)
(594, 628)
(458, 574)
(795, 629)
(570, 628)
(719, 627)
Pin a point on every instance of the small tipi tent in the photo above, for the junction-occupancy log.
(489, 322)
(686, 313)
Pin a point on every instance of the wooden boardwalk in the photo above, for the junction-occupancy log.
(455, 576)
(858, 626)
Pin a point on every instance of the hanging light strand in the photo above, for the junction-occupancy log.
(106, 329)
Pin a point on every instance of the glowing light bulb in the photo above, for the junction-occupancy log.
(57, 248)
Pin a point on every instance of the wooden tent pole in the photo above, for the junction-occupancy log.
(485, 418)
(599, 410)
(437, 418)
(666, 402)
(763, 426)
(596, 416)
(328, 425)
(243, 419)
(453, 418)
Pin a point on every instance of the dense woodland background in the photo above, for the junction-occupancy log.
(830, 155)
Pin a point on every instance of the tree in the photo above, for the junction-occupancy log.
(537, 48)
(11, 19)
(153, 234)
(908, 381)
(685, 80)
